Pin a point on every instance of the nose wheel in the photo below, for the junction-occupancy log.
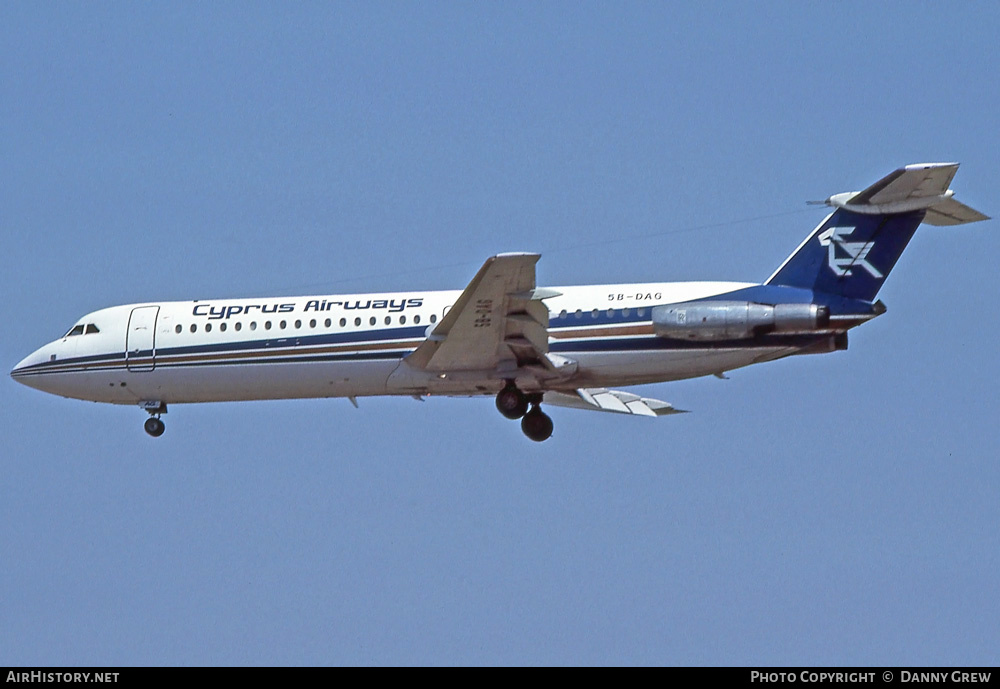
(514, 404)
(154, 426)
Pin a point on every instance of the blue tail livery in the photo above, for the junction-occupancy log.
(852, 251)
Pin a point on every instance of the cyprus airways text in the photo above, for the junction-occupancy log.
(392, 305)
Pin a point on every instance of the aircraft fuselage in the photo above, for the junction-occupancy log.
(352, 345)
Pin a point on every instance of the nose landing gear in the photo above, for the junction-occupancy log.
(154, 426)
(513, 404)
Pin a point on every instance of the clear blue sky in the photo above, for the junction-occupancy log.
(838, 509)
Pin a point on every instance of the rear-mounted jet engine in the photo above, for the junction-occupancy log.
(736, 320)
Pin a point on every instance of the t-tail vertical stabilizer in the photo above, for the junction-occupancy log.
(852, 251)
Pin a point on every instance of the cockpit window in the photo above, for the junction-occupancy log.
(82, 329)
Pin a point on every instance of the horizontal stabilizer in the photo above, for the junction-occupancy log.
(952, 212)
(921, 187)
(923, 180)
(600, 399)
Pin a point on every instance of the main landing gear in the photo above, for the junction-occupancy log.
(154, 426)
(513, 404)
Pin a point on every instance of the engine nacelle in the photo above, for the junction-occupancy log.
(736, 320)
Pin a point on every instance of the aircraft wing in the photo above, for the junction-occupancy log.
(601, 399)
(499, 323)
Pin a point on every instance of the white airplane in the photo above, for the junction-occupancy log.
(503, 335)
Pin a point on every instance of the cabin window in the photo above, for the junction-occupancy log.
(357, 321)
(178, 329)
(91, 329)
(416, 319)
(594, 313)
(267, 325)
(388, 320)
(298, 324)
(402, 320)
(611, 313)
(625, 312)
(579, 313)
(312, 323)
(563, 314)
(75, 330)
(283, 324)
(222, 327)
(434, 318)
(371, 321)
(194, 327)
(238, 326)
(253, 325)
(208, 327)
(328, 322)
(343, 322)
(640, 312)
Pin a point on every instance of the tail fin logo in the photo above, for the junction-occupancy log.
(844, 256)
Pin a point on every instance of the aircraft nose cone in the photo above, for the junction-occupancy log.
(23, 368)
(19, 368)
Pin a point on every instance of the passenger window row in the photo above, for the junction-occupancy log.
(611, 313)
(298, 324)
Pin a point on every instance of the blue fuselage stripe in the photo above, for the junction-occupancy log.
(269, 351)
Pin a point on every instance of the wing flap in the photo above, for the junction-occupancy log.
(616, 401)
(524, 330)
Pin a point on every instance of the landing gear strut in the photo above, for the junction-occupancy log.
(513, 404)
(153, 425)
